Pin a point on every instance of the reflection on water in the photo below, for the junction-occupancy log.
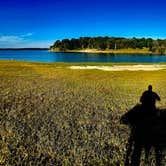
(45, 56)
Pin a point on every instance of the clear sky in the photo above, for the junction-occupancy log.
(38, 23)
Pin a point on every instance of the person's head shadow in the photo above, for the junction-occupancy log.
(147, 133)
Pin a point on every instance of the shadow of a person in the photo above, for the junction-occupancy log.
(145, 137)
(148, 101)
(147, 130)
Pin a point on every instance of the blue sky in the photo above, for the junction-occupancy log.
(38, 23)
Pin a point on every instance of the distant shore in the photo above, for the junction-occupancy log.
(110, 51)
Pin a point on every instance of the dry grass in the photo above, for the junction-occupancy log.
(52, 115)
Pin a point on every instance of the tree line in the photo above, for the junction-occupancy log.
(106, 43)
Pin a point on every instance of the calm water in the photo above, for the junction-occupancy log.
(45, 56)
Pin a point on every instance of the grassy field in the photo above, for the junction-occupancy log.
(52, 115)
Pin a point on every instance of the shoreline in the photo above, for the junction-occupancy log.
(94, 66)
(139, 67)
(118, 51)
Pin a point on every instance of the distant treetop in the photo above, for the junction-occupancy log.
(107, 43)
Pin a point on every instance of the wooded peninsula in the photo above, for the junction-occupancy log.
(117, 45)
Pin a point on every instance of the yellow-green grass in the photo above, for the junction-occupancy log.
(52, 115)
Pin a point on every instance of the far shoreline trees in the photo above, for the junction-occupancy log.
(110, 43)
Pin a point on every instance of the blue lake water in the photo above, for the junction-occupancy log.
(45, 56)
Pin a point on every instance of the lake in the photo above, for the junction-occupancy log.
(45, 56)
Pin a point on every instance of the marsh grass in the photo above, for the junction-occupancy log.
(52, 115)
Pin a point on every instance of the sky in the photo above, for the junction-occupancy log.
(39, 23)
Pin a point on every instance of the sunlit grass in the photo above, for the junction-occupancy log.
(52, 115)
